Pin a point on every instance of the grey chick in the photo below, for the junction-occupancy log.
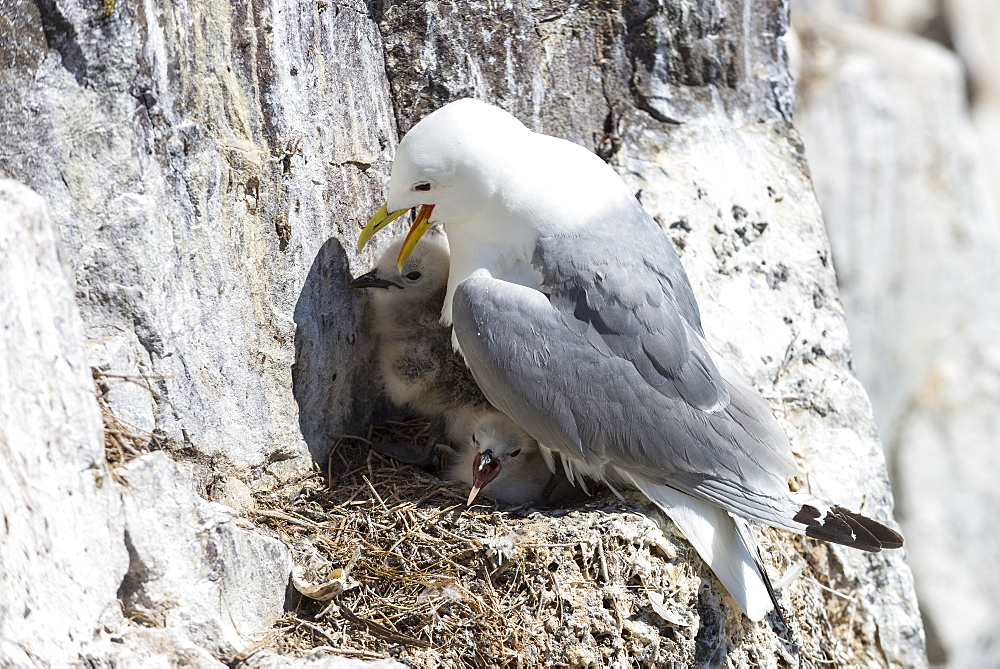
(420, 368)
(504, 462)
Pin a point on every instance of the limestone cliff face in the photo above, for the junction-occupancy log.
(899, 133)
(199, 158)
(202, 170)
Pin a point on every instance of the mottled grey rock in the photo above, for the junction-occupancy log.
(191, 567)
(232, 492)
(61, 549)
(915, 244)
(207, 166)
(572, 71)
(166, 648)
(73, 542)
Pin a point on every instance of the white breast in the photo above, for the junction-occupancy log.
(478, 250)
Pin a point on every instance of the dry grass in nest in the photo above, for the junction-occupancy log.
(428, 582)
(431, 577)
(123, 441)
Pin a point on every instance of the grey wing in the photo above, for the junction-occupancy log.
(638, 302)
(568, 388)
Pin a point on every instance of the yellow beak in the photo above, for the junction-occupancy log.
(381, 219)
(420, 225)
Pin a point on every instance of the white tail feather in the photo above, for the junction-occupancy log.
(547, 455)
(714, 534)
(575, 476)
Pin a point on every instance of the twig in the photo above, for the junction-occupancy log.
(280, 515)
(375, 492)
(852, 600)
(380, 631)
(357, 652)
(317, 628)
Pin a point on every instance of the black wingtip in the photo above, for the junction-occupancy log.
(886, 536)
(845, 527)
(759, 563)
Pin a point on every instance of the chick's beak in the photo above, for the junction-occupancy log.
(485, 468)
(381, 219)
(373, 280)
(421, 224)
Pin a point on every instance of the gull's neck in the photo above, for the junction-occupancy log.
(474, 250)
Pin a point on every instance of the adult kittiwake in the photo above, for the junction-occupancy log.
(578, 321)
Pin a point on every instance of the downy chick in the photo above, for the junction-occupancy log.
(421, 370)
(503, 462)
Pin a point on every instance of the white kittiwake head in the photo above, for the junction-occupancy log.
(503, 462)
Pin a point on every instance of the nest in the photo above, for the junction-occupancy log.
(390, 563)
(402, 569)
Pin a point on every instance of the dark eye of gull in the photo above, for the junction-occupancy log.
(514, 454)
(422, 186)
(413, 276)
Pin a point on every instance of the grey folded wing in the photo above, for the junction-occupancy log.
(637, 304)
(566, 367)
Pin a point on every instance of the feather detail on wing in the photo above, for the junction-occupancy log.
(612, 302)
(578, 397)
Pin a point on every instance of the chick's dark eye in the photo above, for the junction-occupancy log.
(422, 186)
(514, 454)
(413, 276)
(474, 441)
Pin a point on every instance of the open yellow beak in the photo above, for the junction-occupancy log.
(420, 225)
(381, 219)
